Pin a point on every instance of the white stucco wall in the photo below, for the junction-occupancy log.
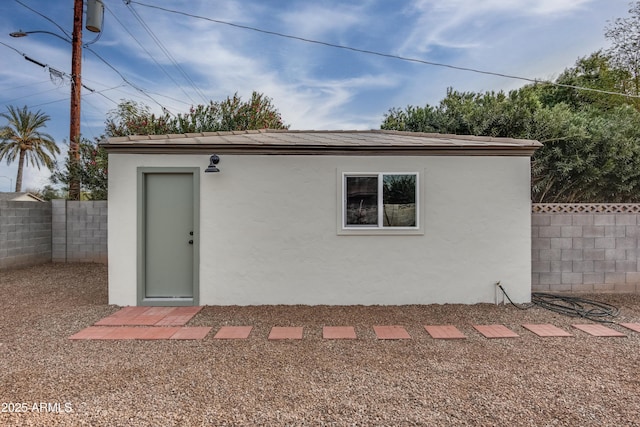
(268, 231)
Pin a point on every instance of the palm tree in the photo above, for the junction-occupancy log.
(21, 138)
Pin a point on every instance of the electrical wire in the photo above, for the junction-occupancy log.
(86, 47)
(9, 101)
(149, 54)
(45, 17)
(569, 306)
(127, 81)
(29, 85)
(382, 54)
(57, 74)
(53, 72)
(166, 52)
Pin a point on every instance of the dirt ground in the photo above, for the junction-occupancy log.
(525, 381)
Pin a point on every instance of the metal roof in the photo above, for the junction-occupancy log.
(344, 142)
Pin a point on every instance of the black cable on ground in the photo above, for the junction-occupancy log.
(570, 306)
(521, 307)
(576, 306)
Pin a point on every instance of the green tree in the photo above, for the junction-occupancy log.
(624, 34)
(590, 153)
(591, 139)
(469, 113)
(588, 156)
(91, 171)
(47, 192)
(131, 118)
(596, 71)
(21, 138)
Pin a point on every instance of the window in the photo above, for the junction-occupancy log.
(380, 201)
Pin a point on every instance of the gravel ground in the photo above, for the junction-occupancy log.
(526, 381)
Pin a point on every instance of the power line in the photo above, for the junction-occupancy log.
(28, 96)
(381, 54)
(101, 93)
(55, 73)
(45, 17)
(49, 102)
(149, 54)
(127, 81)
(139, 89)
(166, 52)
(83, 96)
(29, 85)
(168, 108)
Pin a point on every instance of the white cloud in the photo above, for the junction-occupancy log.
(467, 24)
(315, 21)
(312, 86)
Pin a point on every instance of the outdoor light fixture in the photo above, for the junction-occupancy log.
(213, 161)
(20, 34)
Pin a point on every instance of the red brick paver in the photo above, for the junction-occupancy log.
(141, 333)
(233, 333)
(547, 330)
(393, 332)
(599, 330)
(444, 332)
(495, 331)
(286, 333)
(150, 316)
(190, 333)
(159, 322)
(339, 333)
(92, 333)
(632, 326)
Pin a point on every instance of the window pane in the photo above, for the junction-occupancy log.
(399, 200)
(361, 200)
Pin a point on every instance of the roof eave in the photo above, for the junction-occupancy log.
(358, 150)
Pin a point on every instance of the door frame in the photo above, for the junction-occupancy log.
(141, 237)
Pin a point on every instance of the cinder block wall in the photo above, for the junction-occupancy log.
(575, 248)
(25, 233)
(79, 232)
(585, 248)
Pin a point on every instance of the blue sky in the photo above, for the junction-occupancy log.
(313, 86)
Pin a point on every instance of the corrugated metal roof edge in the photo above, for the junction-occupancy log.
(324, 142)
(372, 131)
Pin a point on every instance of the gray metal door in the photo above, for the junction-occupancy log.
(168, 235)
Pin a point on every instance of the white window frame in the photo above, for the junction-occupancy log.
(379, 229)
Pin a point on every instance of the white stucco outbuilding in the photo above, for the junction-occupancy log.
(318, 217)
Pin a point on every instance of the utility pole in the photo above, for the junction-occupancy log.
(76, 87)
(95, 15)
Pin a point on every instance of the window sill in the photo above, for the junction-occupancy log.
(380, 231)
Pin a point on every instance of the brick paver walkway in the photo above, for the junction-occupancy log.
(162, 323)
